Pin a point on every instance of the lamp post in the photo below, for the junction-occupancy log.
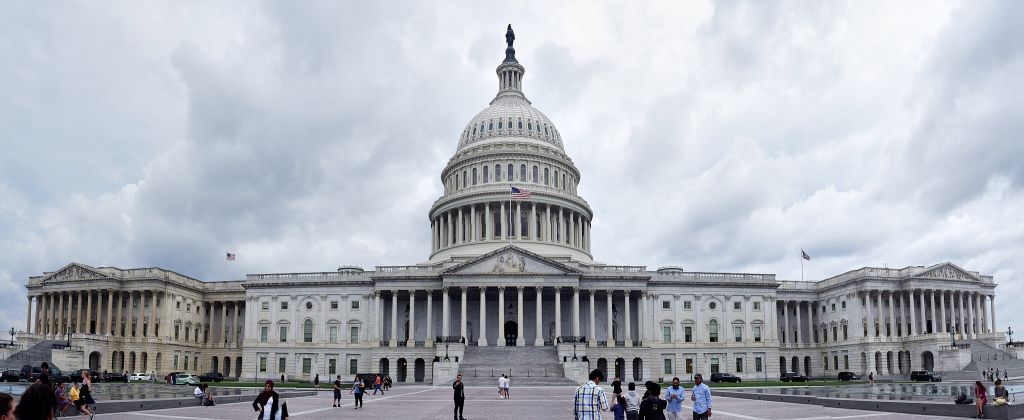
(952, 336)
(446, 353)
(12, 336)
(67, 331)
(1009, 332)
(574, 358)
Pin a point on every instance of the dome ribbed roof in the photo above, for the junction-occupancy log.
(510, 116)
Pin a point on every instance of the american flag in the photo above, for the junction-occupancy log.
(804, 255)
(520, 194)
(231, 257)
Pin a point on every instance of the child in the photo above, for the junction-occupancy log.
(619, 409)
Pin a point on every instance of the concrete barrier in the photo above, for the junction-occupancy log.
(121, 406)
(892, 406)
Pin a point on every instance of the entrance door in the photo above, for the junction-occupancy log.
(511, 333)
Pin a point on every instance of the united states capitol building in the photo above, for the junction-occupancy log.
(511, 286)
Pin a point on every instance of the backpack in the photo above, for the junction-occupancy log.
(962, 399)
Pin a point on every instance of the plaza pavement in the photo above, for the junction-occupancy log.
(430, 403)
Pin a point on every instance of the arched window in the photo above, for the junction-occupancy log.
(520, 124)
(563, 182)
(481, 128)
(545, 130)
(474, 176)
(529, 125)
(713, 331)
(509, 123)
(546, 179)
(456, 182)
(474, 130)
(491, 126)
(307, 331)
(556, 178)
(536, 179)
(499, 124)
(509, 177)
(486, 170)
(465, 179)
(522, 172)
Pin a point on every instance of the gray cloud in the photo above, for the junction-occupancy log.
(717, 136)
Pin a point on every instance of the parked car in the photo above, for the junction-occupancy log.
(792, 377)
(211, 377)
(76, 376)
(31, 373)
(186, 379)
(925, 375)
(114, 377)
(171, 376)
(140, 377)
(848, 376)
(10, 375)
(725, 377)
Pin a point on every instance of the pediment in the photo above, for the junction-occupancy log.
(75, 271)
(946, 271)
(511, 260)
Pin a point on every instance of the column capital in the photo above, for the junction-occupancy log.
(627, 292)
(520, 288)
(610, 292)
(501, 289)
(556, 289)
(575, 289)
(376, 293)
(465, 289)
(394, 292)
(445, 289)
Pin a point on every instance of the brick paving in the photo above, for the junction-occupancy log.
(429, 403)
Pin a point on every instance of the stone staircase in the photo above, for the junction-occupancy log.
(527, 365)
(984, 357)
(42, 351)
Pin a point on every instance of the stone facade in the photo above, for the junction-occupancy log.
(514, 271)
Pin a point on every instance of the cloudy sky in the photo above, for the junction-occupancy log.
(720, 136)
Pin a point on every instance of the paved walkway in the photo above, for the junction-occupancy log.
(429, 403)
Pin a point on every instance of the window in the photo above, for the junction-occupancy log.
(757, 306)
(522, 173)
(474, 176)
(668, 366)
(188, 308)
(666, 333)
(555, 179)
(845, 335)
(688, 334)
(846, 361)
(332, 366)
(353, 366)
(714, 365)
(334, 333)
(280, 364)
(284, 334)
(265, 306)
(739, 365)
(263, 363)
(486, 174)
(757, 333)
(713, 305)
(520, 124)
(309, 306)
(564, 185)
(353, 335)
(758, 367)
(822, 308)
(334, 305)
(736, 306)
(307, 331)
(284, 305)
(826, 362)
(547, 180)
(835, 362)
(186, 361)
(497, 173)
(264, 331)
(177, 331)
(835, 333)
(738, 332)
(713, 331)
(689, 366)
(833, 307)
(465, 179)
(355, 304)
(501, 124)
(509, 176)
(844, 304)
(687, 305)
(177, 305)
(175, 361)
(665, 304)
(535, 177)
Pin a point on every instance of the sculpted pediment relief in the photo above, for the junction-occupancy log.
(75, 271)
(511, 260)
(947, 272)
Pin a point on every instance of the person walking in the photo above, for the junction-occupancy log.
(376, 385)
(358, 387)
(619, 408)
(632, 402)
(337, 392)
(269, 404)
(871, 378)
(316, 383)
(85, 396)
(501, 386)
(652, 407)
(980, 398)
(616, 388)
(507, 382)
(459, 393)
(590, 400)
(674, 396)
(701, 397)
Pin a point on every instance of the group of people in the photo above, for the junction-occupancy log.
(993, 374)
(503, 382)
(44, 400)
(590, 400)
(1001, 396)
(202, 393)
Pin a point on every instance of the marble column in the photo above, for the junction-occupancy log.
(521, 338)
(460, 234)
(913, 313)
(539, 339)
(992, 307)
(519, 221)
(504, 223)
(118, 313)
(445, 313)
(152, 314)
(472, 224)
(482, 341)
(931, 304)
(547, 223)
(611, 332)
(799, 324)
(942, 311)
(430, 319)
(628, 330)
(593, 318)
(501, 316)
(222, 328)
(464, 332)
(78, 313)
(28, 317)
(786, 333)
(488, 222)
(89, 314)
(378, 310)
(412, 319)
(892, 316)
(881, 316)
(394, 319)
(558, 313)
(576, 311)
(61, 312)
(110, 311)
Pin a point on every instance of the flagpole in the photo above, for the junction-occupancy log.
(801, 265)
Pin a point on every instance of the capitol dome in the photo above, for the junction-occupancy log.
(510, 145)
